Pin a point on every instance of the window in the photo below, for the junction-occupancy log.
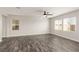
(66, 24)
(58, 24)
(15, 25)
(69, 24)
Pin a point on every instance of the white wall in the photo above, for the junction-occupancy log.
(70, 35)
(29, 25)
(0, 28)
(4, 26)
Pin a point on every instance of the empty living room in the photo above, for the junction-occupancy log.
(39, 29)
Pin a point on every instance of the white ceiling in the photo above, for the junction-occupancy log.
(36, 10)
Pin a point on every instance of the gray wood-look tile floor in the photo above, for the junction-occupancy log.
(38, 43)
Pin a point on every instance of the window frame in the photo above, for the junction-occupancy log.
(63, 24)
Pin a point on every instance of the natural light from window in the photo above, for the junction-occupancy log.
(66, 24)
(58, 24)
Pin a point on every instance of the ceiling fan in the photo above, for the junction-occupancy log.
(46, 13)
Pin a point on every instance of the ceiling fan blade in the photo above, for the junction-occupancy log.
(49, 14)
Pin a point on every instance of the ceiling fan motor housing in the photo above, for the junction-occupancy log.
(45, 13)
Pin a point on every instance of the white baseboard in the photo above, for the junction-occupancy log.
(23, 35)
(43, 33)
(66, 37)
